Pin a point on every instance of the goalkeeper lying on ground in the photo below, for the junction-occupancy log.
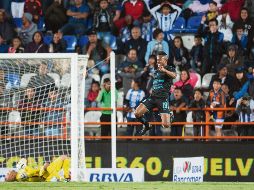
(48, 172)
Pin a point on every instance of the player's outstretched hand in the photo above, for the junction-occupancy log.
(21, 164)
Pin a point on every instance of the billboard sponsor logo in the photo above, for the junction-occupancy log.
(111, 177)
(187, 166)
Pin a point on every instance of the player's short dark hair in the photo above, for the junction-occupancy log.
(106, 80)
(199, 90)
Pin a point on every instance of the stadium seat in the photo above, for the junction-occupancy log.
(47, 39)
(41, 24)
(188, 41)
(25, 79)
(112, 42)
(83, 40)
(92, 116)
(107, 75)
(178, 26)
(14, 116)
(96, 77)
(71, 43)
(13, 81)
(193, 24)
(18, 22)
(198, 83)
(66, 81)
(207, 79)
(56, 78)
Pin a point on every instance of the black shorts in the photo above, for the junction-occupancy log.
(154, 102)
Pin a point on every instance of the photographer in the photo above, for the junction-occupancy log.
(245, 110)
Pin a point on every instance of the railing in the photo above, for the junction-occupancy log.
(206, 123)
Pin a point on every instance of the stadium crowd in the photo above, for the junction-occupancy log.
(221, 54)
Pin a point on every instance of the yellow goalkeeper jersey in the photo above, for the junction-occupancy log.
(29, 174)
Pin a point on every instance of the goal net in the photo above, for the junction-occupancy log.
(42, 109)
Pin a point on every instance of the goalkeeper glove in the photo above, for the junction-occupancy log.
(21, 164)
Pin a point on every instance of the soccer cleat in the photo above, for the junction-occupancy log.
(143, 131)
(171, 117)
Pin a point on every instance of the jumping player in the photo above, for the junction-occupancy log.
(48, 172)
(159, 98)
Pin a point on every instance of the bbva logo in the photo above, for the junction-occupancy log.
(111, 177)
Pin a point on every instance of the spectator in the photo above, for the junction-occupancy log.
(216, 99)
(179, 115)
(92, 94)
(240, 39)
(166, 16)
(125, 32)
(137, 43)
(232, 60)
(37, 45)
(98, 51)
(245, 110)
(198, 115)
(103, 21)
(104, 98)
(147, 26)
(212, 12)
(179, 55)
(225, 26)
(30, 101)
(42, 82)
(157, 44)
(134, 8)
(129, 70)
(223, 75)
(34, 8)
(28, 29)
(78, 14)
(55, 16)
(240, 79)
(233, 7)
(196, 54)
(133, 97)
(58, 45)
(54, 100)
(213, 45)
(6, 28)
(250, 5)
(185, 85)
(3, 46)
(16, 46)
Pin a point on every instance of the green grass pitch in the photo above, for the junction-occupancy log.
(125, 186)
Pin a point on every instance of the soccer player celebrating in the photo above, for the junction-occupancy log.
(159, 98)
(48, 172)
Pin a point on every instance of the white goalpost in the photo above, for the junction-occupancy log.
(42, 109)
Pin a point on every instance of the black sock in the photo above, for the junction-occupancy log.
(143, 120)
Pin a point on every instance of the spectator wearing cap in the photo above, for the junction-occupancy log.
(166, 14)
(222, 74)
(6, 27)
(34, 8)
(240, 79)
(37, 45)
(97, 51)
(156, 45)
(233, 60)
(78, 14)
(28, 29)
(137, 43)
